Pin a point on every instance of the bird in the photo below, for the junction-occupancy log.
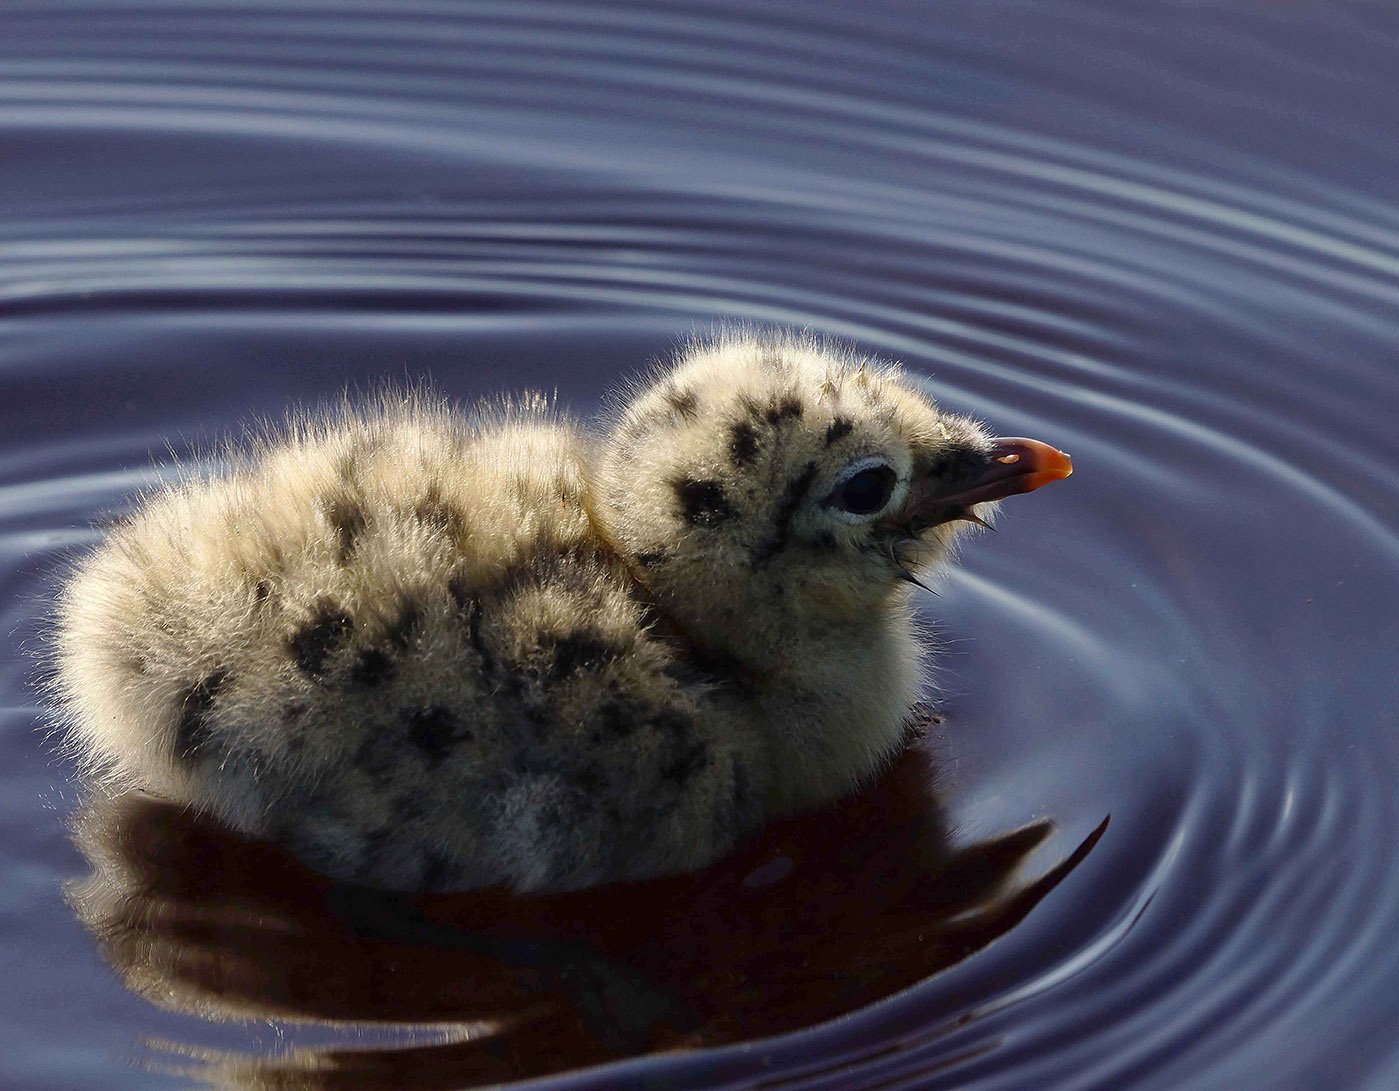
(425, 648)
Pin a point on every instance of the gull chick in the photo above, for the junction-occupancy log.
(426, 650)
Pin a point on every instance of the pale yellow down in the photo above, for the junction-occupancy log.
(427, 649)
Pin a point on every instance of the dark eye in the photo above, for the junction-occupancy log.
(866, 491)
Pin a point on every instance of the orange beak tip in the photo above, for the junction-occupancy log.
(1038, 463)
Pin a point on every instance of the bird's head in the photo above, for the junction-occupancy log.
(762, 477)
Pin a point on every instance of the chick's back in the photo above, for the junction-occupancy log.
(396, 642)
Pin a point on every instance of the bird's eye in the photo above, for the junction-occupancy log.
(865, 490)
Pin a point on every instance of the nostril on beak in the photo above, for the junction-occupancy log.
(1030, 463)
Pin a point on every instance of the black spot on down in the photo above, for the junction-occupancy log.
(617, 719)
(435, 731)
(372, 668)
(347, 517)
(681, 749)
(743, 443)
(432, 510)
(192, 731)
(312, 645)
(839, 429)
(581, 650)
(684, 403)
(689, 757)
(703, 503)
(408, 623)
(789, 408)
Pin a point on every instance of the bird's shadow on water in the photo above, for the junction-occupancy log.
(814, 917)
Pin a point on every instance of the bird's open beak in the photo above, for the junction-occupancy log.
(1013, 466)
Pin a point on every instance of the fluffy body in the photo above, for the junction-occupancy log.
(430, 650)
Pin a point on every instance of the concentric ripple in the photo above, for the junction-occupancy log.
(1165, 237)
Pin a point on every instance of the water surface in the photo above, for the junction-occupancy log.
(1163, 236)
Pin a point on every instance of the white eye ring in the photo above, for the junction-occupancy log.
(896, 492)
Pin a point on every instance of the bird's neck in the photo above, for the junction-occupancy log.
(836, 710)
(825, 706)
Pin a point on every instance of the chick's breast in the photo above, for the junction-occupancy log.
(397, 644)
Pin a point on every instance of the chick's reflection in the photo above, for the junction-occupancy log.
(813, 918)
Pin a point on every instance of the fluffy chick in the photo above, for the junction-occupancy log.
(425, 650)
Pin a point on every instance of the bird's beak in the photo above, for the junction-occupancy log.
(1012, 466)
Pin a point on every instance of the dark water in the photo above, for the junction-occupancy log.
(1163, 236)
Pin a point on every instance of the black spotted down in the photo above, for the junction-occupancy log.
(435, 731)
(788, 408)
(408, 623)
(838, 430)
(347, 517)
(470, 605)
(743, 443)
(461, 592)
(438, 513)
(617, 719)
(192, 731)
(690, 757)
(380, 756)
(687, 754)
(581, 650)
(312, 645)
(373, 667)
(703, 503)
(684, 403)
